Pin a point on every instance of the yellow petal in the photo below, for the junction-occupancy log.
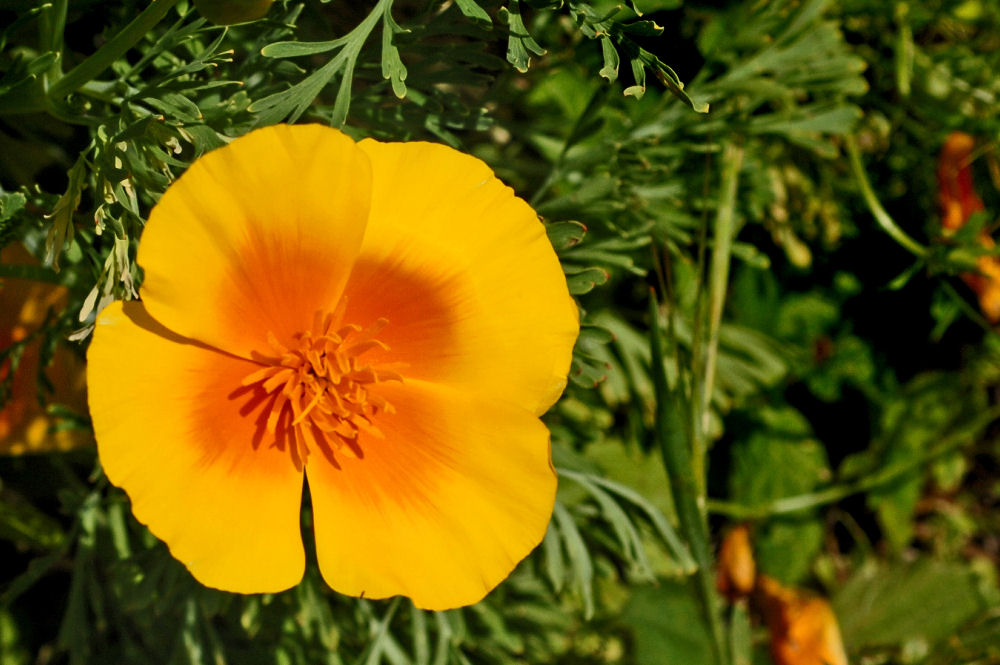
(256, 237)
(466, 276)
(176, 431)
(442, 507)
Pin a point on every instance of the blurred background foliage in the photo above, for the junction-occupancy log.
(781, 339)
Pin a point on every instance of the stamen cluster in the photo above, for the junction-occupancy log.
(320, 389)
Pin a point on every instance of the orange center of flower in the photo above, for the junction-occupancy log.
(321, 397)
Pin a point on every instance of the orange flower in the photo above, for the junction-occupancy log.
(24, 425)
(804, 629)
(959, 202)
(736, 569)
(385, 320)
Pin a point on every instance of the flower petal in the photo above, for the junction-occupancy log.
(466, 276)
(178, 433)
(442, 508)
(256, 237)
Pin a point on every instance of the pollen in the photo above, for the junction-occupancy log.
(320, 395)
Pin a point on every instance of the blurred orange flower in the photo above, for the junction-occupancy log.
(25, 427)
(384, 320)
(736, 569)
(804, 629)
(959, 202)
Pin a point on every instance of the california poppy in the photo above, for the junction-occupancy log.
(386, 320)
(959, 201)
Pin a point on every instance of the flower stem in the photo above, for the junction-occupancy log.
(834, 493)
(718, 283)
(113, 49)
(881, 216)
(51, 26)
(686, 489)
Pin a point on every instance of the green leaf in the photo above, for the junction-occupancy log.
(27, 526)
(820, 118)
(780, 458)
(787, 546)
(471, 9)
(639, 73)
(564, 235)
(37, 569)
(585, 280)
(587, 372)
(579, 556)
(393, 68)
(11, 203)
(611, 60)
(740, 638)
(643, 29)
(292, 103)
(555, 562)
(519, 41)
(674, 439)
(61, 231)
(297, 49)
(666, 624)
(655, 516)
(887, 606)
(625, 531)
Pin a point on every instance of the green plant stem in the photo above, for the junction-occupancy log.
(686, 490)
(718, 282)
(881, 216)
(700, 304)
(113, 49)
(834, 493)
(51, 26)
(968, 310)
